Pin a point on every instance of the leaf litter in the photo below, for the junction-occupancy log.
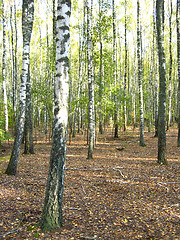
(116, 195)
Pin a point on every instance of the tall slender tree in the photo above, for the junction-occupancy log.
(125, 68)
(100, 67)
(178, 60)
(114, 71)
(52, 211)
(170, 67)
(4, 69)
(162, 158)
(90, 85)
(28, 127)
(139, 58)
(155, 74)
(27, 24)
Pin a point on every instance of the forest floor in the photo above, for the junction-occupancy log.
(116, 195)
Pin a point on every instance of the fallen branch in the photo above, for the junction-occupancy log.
(161, 184)
(118, 181)
(14, 230)
(83, 190)
(174, 205)
(6, 182)
(90, 238)
(117, 169)
(8, 233)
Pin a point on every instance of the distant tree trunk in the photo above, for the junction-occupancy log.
(178, 60)
(170, 69)
(52, 211)
(70, 114)
(27, 23)
(28, 128)
(4, 69)
(15, 58)
(125, 70)
(90, 86)
(12, 63)
(47, 74)
(100, 68)
(155, 76)
(134, 83)
(162, 158)
(140, 77)
(114, 72)
(80, 81)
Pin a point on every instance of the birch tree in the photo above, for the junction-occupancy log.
(140, 77)
(100, 67)
(170, 68)
(114, 71)
(125, 69)
(27, 24)
(178, 60)
(90, 85)
(52, 211)
(4, 69)
(162, 158)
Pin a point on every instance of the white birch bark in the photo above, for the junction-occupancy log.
(4, 69)
(178, 60)
(52, 211)
(140, 81)
(90, 86)
(27, 24)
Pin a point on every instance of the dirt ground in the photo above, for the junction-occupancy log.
(116, 195)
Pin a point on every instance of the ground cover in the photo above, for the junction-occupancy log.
(116, 195)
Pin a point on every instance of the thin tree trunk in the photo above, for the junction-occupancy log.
(100, 68)
(4, 69)
(52, 211)
(162, 158)
(90, 86)
(28, 128)
(15, 58)
(114, 72)
(27, 23)
(170, 69)
(125, 71)
(178, 60)
(140, 77)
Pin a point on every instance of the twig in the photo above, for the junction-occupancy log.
(83, 190)
(71, 208)
(118, 181)
(161, 184)
(8, 233)
(6, 182)
(14, 230)
(115, 169)
(174, 205)
(173, 182)
(90, 238)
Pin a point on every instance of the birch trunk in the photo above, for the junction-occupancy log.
(162, 158)
(27, 24)
(100, 68)
(139, 58)
(4, 69)
(114, 72)
(170, 69)
(52, 211)
(125, 71)
(178, 60)
(90, 86)
(28, 128)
